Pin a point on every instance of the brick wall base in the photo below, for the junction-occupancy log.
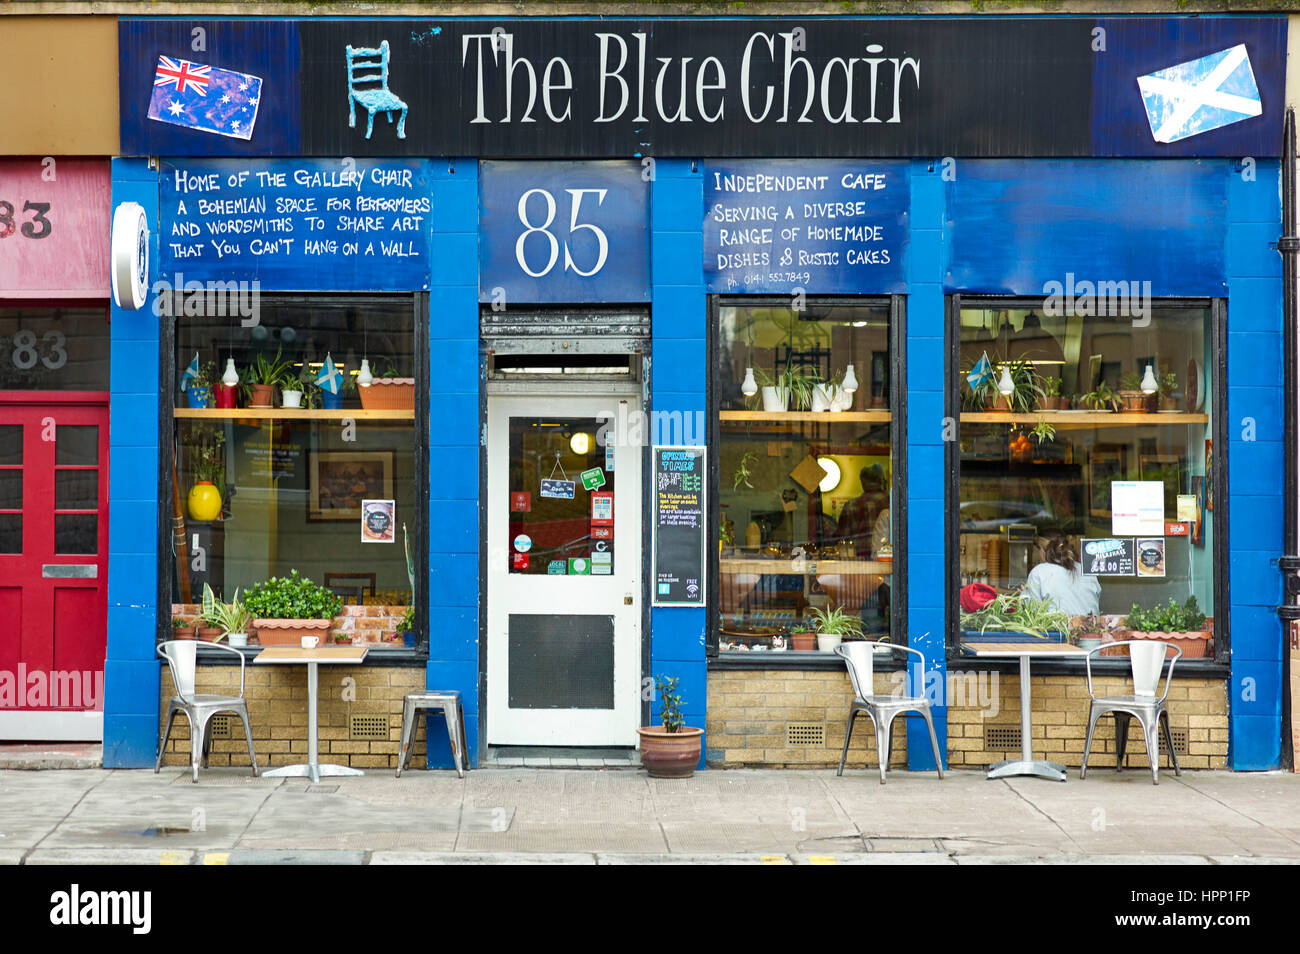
(749, 711)
(277, 711)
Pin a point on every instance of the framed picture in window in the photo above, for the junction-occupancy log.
(338, 481)
(1107, 462)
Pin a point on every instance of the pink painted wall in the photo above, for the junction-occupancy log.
(66, 255)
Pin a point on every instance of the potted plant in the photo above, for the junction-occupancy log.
(1130, 392)
(1087, 632)
(670, 750)
(198, 393)
(209, 622)
(405, 628)
(388, 391)
(231, 618)
(793, 386)
(183, 628)
(1027, 392)
(1015, 617)
(1184, 625)
(207, 464)
(1167, 403)
(802, 637)
(287, 608)
(293, 387)
(833, 626)
(1100, 399)
(261, 379)
(1053, 400)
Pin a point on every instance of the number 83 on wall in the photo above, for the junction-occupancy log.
(562, 232)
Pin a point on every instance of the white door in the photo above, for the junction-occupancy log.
(564, 574)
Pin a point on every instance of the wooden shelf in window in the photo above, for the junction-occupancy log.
(819, 417)
(290, 414)
(810, 565)
(1081, 419)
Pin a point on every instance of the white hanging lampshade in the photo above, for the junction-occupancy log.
(364, 377)
(1149, 385)
(850, 381)
(1006, 387)
(231, 376)
(749, 387)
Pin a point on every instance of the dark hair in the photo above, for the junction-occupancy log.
(1058, 549)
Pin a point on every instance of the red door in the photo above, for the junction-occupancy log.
(53, 568)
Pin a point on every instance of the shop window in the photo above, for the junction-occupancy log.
(805, 471)
(1086, 468)
(328, 486)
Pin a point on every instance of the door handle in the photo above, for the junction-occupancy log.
(70, 571)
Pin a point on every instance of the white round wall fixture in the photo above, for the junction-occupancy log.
(1194, 385)
(832, 478)
(130, 256)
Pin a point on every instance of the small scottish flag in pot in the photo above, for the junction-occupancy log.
(981, 373)
(1195, 97)
(190, 373)
(206, 98)
(330, 378)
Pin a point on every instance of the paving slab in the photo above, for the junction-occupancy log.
(879, 858)
(720, 858)
(477, 858)
(109, 856)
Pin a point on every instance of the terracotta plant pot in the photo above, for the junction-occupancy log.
(803, 641)
(1195, 645)
(263, 395)
(389, 394)
(670, 754)
(289, 632)
(210, 634)
(1133, 401)
(186, 632)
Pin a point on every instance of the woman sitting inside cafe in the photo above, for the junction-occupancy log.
(1059, 577)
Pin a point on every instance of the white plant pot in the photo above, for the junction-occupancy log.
(291, 398)
(826, 643)
(841, 400)
(775, 399)
(237, 639)
(821, 398)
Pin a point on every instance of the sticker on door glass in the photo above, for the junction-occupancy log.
(521, 501)
(602, 533)
(560, 488)
(609, 457)
(519, 561)
(602, 569)
(523, 543)
(593, 479)
(579, 566)
(602, 508)
(557, 568)
(377, 524)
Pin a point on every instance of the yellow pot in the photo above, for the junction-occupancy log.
(205, 501)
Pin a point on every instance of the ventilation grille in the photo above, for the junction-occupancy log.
(1002, 738)
(220, 725)
(1180, 740)
(368, 728)
(805, 733)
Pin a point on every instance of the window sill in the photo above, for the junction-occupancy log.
(1076, 666)
(399, 656)
(791, 659)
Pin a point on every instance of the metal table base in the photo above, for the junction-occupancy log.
(313, 769)
(1026, 764)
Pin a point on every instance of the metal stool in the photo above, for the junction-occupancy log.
(449, 703)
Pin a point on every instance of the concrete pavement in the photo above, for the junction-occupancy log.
(620, 816)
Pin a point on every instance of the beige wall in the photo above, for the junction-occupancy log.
(58, 86)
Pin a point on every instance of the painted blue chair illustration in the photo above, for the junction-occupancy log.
(368, 87)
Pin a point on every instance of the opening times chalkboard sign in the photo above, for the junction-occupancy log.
(677, 568)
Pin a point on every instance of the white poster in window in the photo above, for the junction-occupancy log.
(1137, 508)
(377, 521)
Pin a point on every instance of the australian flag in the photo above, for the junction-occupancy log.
(205, 98)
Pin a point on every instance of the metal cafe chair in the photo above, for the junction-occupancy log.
(1146, 658)
(449, 703)
(373, 99)
(858, 656)
(199, 708)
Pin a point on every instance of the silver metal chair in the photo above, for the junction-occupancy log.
(1146, 659)
(449, 703)
(858, 655)
(199, 708)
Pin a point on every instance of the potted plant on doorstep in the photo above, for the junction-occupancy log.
(670, 750)
(833, 626)
(287, 608)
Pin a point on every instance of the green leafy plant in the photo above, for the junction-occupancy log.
(292, 597)
(1167, 618)
(268, 371)
(1017, 613)
(743, 473)
(1051, 387)
(407, 621)
(1028, 393)
(179, 622)
(835, 622)
(1044, 431)
(205, 452)
(1168, 383)
(232, 617)
(1100, 399)
(1130, 381)
(670, 703)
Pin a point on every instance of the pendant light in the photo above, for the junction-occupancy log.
(749, 387)
(231, 377)
(1149, 385)
(850, 381)
(1006, 387)
(364, 377)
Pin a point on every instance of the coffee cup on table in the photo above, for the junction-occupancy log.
(310, 642)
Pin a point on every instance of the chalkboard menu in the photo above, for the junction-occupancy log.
(678, 567)
(297, 224)
(1108, 556)
(828, 227)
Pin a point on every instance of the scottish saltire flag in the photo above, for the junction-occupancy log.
(330, 377)
(206, 98)
(981, 373)
(1199, 95)
(190, 372)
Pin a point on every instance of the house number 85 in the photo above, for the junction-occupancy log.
(543, 229)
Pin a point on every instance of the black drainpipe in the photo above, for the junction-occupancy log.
(1289, 563)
